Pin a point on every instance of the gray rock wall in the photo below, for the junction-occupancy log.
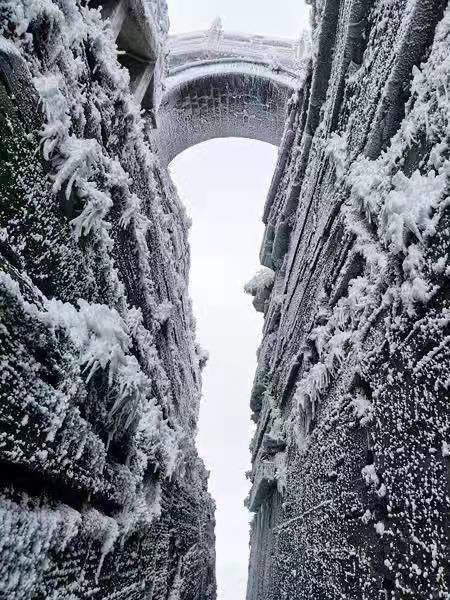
(102, 494)
(350, 456)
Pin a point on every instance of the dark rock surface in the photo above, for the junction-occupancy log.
(350, 456)
(102, 492)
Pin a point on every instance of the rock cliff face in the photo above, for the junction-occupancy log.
(102, 492)
(351, 392)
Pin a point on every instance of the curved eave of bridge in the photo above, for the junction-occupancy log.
(225, 99)
(241, 66)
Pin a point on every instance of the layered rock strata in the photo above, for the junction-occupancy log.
(350, 456)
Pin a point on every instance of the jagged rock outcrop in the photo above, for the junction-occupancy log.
(102, 492)
(350, 456)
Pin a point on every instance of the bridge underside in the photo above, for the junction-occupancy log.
(234, 102)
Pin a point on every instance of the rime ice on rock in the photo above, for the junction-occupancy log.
(260, 286)
(353, 367)
(103, 494)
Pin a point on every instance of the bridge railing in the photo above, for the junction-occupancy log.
(215, 45)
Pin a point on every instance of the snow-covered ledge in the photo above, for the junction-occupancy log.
(263, 484)
(260, 287)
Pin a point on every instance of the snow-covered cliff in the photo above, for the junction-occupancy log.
(102, 492)
(351, 394)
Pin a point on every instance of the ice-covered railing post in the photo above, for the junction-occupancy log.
(303, 45)
(215, 34)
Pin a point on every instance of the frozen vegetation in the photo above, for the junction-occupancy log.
(102, 492)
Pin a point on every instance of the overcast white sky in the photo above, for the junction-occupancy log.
(280, 18)
(224, 183)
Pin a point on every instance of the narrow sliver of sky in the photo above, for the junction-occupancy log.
(277, 18)
(223, 184)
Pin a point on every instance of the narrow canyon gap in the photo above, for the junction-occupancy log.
(223, 184)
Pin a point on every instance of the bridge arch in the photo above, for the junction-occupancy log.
(226, 85)
(233, 102)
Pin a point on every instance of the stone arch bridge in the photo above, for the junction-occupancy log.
(226, 85)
